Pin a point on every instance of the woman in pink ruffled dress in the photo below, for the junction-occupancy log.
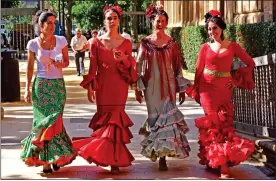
(220, 147)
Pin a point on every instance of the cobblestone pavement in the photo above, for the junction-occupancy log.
(77, 114)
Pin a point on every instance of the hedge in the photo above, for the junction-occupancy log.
(257, 39)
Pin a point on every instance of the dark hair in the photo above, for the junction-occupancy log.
(114, 10)
(124, 29)
(158, 12)
(94, 31)
(41, 17)
(219, 21)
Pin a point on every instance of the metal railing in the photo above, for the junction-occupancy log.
(255, 110)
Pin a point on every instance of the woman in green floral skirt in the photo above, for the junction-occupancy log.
(48, 143)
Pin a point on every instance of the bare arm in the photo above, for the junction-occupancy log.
(30, 69)
(65, 57)
(29, 75)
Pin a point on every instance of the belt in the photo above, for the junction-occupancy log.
(216, 73)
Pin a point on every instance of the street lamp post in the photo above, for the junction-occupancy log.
(59, 11)
(41, 5)
(63, 19)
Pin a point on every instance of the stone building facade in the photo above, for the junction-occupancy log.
(191, 12)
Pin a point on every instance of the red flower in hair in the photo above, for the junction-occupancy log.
(215, 13)
(118, 9)
(150, 10)
(106, 8)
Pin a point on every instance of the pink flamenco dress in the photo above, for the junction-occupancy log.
(110, 80)
(219, 144)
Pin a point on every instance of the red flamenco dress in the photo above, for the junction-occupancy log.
(110, 80)
(219, 144)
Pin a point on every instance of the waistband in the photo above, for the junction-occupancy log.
(216, 73)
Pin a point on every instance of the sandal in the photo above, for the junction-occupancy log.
(213, 170)
(114, 169)
(55, 167)
(47, 171)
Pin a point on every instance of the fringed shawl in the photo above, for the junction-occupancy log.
(167, 55)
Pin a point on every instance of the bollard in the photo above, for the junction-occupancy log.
(10, 78)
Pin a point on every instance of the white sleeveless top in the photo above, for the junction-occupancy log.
(53, 73)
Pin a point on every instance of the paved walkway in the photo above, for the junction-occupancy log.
(77, 114)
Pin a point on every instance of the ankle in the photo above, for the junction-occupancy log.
(46, 167)
(224, 169)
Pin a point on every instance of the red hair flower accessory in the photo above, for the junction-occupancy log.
(116, 8)
(150, 10)
(212, 13)
(215, 13)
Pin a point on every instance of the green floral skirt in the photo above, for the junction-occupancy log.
(48, 141)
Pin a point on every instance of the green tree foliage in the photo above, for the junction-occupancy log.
(15, 19)
(88, 14)
(9, 3)
(257, 39)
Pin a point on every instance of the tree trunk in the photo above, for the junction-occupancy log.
(221, 8)
(274, 11)
(69, 21)
(134, 21)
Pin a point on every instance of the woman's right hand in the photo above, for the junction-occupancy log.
(27, 96)
(91, 94)
(139, 96)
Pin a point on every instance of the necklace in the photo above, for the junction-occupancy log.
(48, 64)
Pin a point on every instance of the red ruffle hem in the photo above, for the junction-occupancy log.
(106, 146)
(219, 144)
(35, 161)
(47, 135)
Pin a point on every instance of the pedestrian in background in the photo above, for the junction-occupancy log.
(79, 46)
(94, 34)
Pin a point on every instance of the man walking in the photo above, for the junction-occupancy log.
(79, 45)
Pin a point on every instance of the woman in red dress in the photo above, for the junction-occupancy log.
(220, 147)
(111, 70)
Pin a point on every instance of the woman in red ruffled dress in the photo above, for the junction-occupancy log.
(112, 69)
(220, 147)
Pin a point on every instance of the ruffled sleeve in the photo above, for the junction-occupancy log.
(127, 68)
(91, 76)
(243, 77)
(193, 91)
(181, 82)
(140, 57)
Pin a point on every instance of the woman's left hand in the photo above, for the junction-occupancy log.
(57, 64)
(231, 85)
(120, 56)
